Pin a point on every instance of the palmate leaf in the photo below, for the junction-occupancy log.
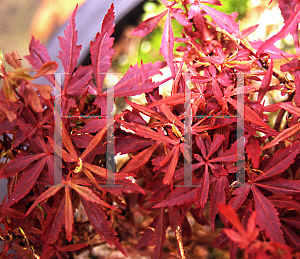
(267, 215)
(168, 162)
(158, 140)
(64, 209)
(199, 195)
(227, 156)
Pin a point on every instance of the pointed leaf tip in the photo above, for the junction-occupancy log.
(69, 53)
(285, 30)
(167, 44)
(101, 50)
(148, 25)
(267, 217)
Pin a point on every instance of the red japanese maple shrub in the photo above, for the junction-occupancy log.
(185, 163)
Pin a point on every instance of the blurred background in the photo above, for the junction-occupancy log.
(45, 18)
(20, 19)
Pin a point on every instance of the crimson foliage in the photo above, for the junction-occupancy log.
(259, 214)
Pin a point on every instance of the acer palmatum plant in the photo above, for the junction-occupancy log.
(259, 210)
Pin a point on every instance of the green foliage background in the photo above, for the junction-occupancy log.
(148, 48)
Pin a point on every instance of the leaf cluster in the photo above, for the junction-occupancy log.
(188, 164)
